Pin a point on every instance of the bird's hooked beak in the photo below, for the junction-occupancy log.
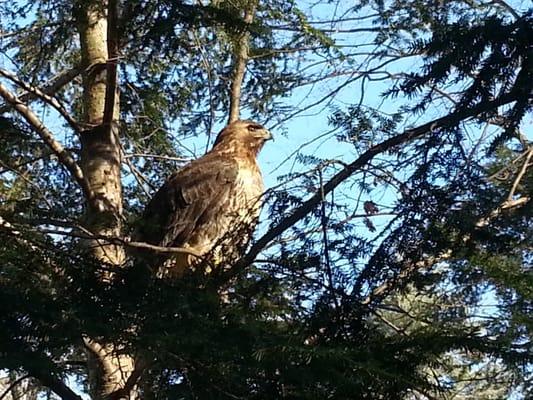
(268, 135)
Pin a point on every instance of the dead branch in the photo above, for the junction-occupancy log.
(157, 156)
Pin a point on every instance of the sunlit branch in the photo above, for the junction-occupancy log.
(38, 93)
(64, 156)
(13, 385)
(241, 58)
(111, 95)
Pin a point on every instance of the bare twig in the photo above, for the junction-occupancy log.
(107, 239)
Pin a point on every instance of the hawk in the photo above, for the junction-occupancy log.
(211, 205)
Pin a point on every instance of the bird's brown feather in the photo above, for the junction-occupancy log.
(214, 201)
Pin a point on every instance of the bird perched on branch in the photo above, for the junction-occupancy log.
(209, 207)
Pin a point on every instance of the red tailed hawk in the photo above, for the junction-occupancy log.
(212, 204)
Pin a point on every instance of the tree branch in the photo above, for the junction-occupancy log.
(241, 58)
(36, 92)
(64, 157)
(299, 213)
(55, 384)
(112, 62)
(13, 384)
(50, 88)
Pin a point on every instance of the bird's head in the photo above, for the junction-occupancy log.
(243, 134)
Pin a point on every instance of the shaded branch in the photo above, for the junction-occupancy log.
(309, 205)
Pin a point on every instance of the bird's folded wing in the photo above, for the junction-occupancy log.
(192, 195)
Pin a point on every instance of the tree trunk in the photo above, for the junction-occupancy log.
(100, 155)
(100, 161)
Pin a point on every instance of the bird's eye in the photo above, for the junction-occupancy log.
(253, 128)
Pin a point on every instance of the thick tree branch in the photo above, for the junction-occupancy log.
(241, 58)
(62, 154)
(299, 213)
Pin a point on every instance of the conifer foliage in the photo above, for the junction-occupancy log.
(393, 260)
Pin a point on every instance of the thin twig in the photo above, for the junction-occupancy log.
(156, 156)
